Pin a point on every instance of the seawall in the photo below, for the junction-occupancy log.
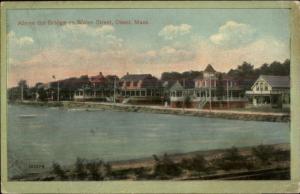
(225, 114)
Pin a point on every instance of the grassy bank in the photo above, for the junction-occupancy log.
(268, 162)
(225, 114)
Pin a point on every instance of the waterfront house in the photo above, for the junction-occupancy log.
(206, 85)
(211, 89)
(99, 88)
(181, 93)
(97, 80)
(270, 91)
(217, 90)
(140, 88)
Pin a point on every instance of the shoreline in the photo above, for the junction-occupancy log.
(212, 153)
(148, 164)
(223, 114)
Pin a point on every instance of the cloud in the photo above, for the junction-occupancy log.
(166, 55)
(170, 32)
(233, 34)
(65, 62)
(263, 50)
(95, 38)
(14, 40)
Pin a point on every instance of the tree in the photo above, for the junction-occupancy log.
(186, 101)
(165, 76)
(246, 69)
(276, 68)
(23, 89)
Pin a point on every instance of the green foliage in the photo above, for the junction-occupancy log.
(232, 160)
(95, 169)
(282, 155)
(247, 70)
(188, 75)
(80, 170)
(186, 101)
(108, 169)
(165, 167)
(92, 169)
(57, 170)
(232, 154)
(264, 153)
(197, 163)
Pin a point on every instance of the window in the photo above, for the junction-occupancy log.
(135, 83)
(257, 87)
(127, 84)
(266, 87)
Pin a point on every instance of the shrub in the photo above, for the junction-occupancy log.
(108, 170)
(232, 154)
(232, 160)
(165, 167)
(80, 169)
(57, 170)
(282, 155)
(95, 169)
(264, 153)
(197, 163)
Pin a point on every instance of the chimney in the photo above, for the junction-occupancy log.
(127, 73)
(100, 73)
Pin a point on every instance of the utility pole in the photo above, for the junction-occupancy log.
(183, 94)
(53, 76)
(115, 90)
(209, 91)
(57, 90)
(227, 94)
(22, 91)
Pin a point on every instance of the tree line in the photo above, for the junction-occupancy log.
(245, 70)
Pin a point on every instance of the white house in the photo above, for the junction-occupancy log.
(271, 91)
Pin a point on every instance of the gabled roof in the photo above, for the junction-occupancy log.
(182, 84)
(135, 77)
(209, 69)
(176, 86)
(168, 84)
(277, 81)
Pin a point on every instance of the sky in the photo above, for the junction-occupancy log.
(43, 43)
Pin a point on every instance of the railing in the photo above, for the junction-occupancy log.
(179, 98)
(202, 103)
(258, 92)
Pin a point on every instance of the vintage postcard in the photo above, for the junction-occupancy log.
(150, 97)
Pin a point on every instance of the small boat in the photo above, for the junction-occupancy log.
(27, 116)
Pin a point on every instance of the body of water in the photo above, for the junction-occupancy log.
(61, 135)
